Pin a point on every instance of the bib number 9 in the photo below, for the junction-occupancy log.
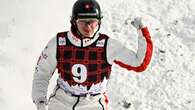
(79, 72)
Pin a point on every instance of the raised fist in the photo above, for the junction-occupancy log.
(137, 23)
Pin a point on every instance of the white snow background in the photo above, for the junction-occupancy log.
(169, 82)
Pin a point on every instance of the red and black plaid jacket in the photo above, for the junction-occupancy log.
(92, 57)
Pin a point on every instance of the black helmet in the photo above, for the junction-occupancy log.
(86, 9)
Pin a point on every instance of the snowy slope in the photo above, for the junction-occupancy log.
(168, 84)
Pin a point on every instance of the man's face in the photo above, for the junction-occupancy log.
(87, 27)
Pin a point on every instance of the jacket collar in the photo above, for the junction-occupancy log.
(77, 41)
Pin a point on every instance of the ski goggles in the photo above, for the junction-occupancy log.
(90, 21)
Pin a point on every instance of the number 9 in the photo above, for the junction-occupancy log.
(79, 72)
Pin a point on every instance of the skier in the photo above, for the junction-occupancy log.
(84, 57)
